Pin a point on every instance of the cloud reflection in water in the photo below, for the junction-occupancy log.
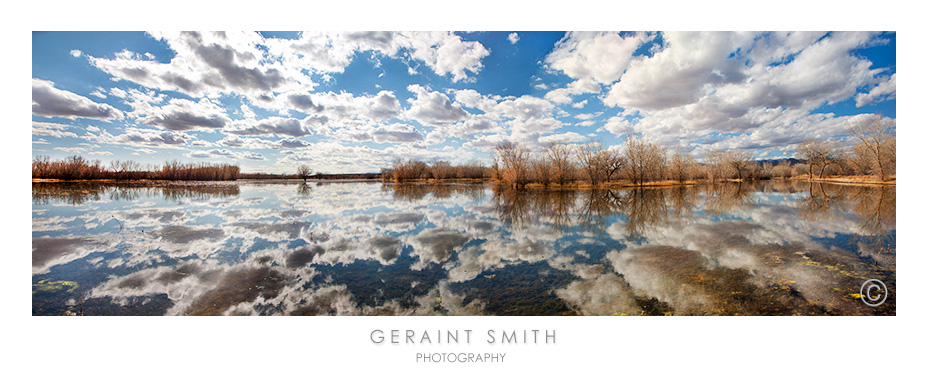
(247, 248)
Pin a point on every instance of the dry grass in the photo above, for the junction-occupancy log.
(862, 180)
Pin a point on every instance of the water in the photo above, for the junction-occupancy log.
(361, 248)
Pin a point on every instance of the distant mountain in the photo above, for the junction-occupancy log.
(779, 161)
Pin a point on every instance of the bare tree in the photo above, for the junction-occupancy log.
(818, 153)
(304, 172)
(594, 162)
(739, 161)
(680, 165)
(559, 155)
(717, 169)
(645, 160)
(878, 144)
(512, 160)
(441, 170)
(411, 169)
(541, 171)
(782, 170)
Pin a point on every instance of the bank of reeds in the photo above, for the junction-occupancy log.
(77, 168)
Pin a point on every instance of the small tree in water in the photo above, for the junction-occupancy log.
(304, 171)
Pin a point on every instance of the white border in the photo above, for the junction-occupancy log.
(321, 344)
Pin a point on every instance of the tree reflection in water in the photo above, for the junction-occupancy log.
(770, 247)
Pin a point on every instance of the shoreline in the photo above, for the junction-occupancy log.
(620, 184)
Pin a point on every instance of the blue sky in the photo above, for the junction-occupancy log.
(356, 101)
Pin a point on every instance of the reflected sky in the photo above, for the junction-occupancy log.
(362, 248)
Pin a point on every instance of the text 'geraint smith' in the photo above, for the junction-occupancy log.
(465, 336)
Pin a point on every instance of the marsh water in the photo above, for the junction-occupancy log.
(364, 248)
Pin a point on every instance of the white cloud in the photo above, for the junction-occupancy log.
(98, 93)
(178, 114)
(71, 150)
(602, 57)
(513, 38)
(447, 53)
(207, 64)
(224, 153)
(688, 67)
(47, 129)
(235, 141)
(577, 87)
(568, 137)
(270, 126)
(397, 133)
(212, 63)
(745, 85)
(433, 108)
(141, 138)
(885, 90)
(49, 101)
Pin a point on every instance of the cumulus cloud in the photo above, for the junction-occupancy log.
(433, 108)
(48, 129)
(280, 126)
(757, 89)
(224, 153)
(247, 63)
(235, 141)
(397, 133)
(577, 87)
(885, 90)
(513, 38)
(49, 101)
(601, 57)
(207, 63)
(568, 137)
(71, 150)
(141, 138)
(448, 53)
(182, 115)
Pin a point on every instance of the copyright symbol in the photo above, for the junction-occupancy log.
(873, 292)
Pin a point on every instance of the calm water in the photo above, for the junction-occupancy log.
(360, 248)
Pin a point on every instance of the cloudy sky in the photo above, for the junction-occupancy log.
(356, 101)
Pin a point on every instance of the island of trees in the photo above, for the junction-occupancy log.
(641, 162)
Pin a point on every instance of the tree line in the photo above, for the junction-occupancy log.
(78, 168)
(643, 162)
(417, 170)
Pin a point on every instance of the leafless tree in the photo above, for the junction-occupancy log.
(441, 170)
(818, 153)
(304, 172)
(645, 160)
(541, 171)
(594, 162)
(717, 168)
(739, 161)
(560, 154)
(512, 160)
(878, 144)
(680, 165)
(782, 170)
(411, 169)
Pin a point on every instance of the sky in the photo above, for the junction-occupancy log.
(344, 102)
